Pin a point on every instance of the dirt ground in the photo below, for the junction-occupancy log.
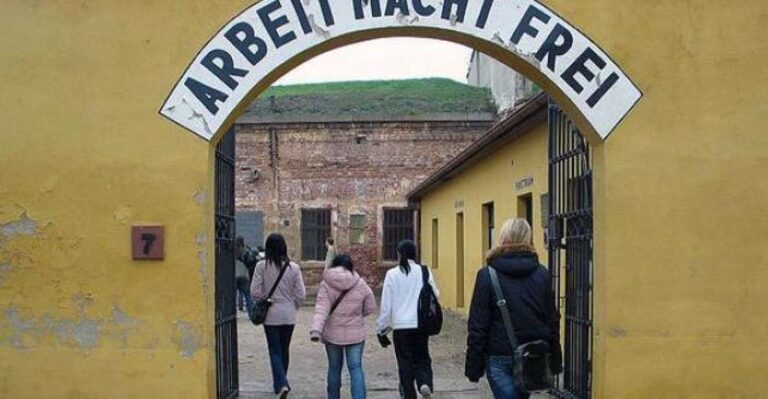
(308, 363)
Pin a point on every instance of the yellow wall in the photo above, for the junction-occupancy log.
(681, 216)
(492, 180)
(84, 156)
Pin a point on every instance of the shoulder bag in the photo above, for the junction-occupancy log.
(258, 313)
(531, 369)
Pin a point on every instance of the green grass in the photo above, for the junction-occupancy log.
(384, 97)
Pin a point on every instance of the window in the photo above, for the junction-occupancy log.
(435, 237)
(525, 209)
(398, 226)
(315, 228)
(488, 226)
(357, 229)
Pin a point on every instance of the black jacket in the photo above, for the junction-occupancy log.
(526, 286)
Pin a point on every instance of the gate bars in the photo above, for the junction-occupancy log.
(570, 248)
(227, 383)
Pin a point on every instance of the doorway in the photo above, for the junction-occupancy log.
(460, 260)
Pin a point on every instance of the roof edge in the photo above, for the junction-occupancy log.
(518, 122)
(427, 117)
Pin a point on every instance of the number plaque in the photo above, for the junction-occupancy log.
(147, 242)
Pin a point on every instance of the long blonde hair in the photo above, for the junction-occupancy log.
(514, 232)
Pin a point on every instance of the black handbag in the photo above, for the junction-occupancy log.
(258, 313)
(531, 370)
(429, 311)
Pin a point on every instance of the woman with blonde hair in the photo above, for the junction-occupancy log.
(526, 287)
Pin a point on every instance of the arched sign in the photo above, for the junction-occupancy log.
(254, 44)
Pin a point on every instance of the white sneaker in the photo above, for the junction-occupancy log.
(283, 393)
(425, 392)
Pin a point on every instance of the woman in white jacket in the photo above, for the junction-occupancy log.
(399, 305)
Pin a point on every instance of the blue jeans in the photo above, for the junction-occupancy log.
(354, 355)
(500, 373)
(279, 345)
(244, 288)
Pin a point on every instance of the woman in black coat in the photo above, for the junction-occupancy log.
(527, 288)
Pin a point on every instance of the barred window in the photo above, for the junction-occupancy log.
(398, 226)
(315, 228)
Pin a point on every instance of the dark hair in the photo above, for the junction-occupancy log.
(276, 250)
(344, 261)
(330, 240)
(406, 249)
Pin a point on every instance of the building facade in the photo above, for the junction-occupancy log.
(344, 173)
(463, 204)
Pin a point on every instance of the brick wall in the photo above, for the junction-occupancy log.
(353, 168)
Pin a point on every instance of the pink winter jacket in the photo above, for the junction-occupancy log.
(346, 325)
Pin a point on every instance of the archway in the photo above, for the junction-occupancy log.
(269, 38)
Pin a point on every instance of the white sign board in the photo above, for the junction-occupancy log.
(271, 32)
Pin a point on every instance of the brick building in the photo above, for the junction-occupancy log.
(337, 160)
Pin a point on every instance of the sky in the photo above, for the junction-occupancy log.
(391, 58)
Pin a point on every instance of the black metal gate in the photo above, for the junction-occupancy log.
(226, 316)
(570, 248)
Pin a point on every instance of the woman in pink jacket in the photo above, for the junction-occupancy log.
(343, 300)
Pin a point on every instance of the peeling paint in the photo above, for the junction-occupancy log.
(454, 19)
(202, 255)
(197, 115)
(401, 18)
(200, 196)
(25, 226)
(188, 338)
(17, 327)
(617, 332)
(497, 38)
(123, 214)
(325, 34)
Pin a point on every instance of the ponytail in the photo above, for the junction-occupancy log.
(406, 250)
(405, 267)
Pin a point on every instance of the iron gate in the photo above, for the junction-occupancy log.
(570, 248)
(226, 316)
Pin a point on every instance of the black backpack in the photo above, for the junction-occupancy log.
(429, 311)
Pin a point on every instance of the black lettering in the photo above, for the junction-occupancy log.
(327, 14)
(600, 92)
(207, 95)
(485, 10)
(579, 66)
(551, 49)
(302, 15)
(421, 10)
(525, 27)
(272, 25)
(248, 40)
(224, 71)
(393, 4)
(461, 9)
(375, 8)
(148, 239)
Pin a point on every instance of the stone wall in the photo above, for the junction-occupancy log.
(352, 168)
